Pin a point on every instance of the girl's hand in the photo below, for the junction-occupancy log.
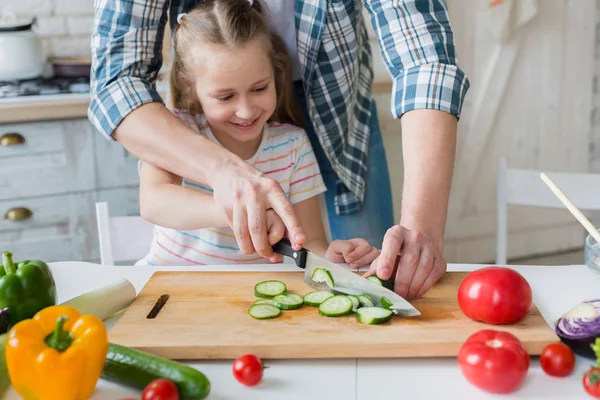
(355, 252)
(275, 232)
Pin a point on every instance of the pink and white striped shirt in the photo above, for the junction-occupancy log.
(284, 154)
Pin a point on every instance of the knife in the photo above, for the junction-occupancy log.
(344, 280)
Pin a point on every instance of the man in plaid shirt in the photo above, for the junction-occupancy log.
(328, 44)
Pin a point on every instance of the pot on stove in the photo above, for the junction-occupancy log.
(21, 52)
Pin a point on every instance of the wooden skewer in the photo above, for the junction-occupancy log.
(571, 207)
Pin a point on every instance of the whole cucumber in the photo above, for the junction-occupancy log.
(137, 369)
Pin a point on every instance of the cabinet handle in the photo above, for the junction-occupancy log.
(11, 139)
(18, 214)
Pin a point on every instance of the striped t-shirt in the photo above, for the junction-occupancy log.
(284, 154)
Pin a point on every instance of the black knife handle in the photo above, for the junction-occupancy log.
(284, 246)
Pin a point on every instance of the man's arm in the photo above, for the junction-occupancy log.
(125, 106)
(417, 44)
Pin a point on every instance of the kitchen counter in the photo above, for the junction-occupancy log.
(556, 289)
(43, 108)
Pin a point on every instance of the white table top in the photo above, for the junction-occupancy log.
(555, 290)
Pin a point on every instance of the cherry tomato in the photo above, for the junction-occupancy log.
(495, 295)
(493, 361)
(248, 369)
(557, 359)
(591, 382)
(160, 389)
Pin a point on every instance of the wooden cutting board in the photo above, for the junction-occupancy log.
(205, 317)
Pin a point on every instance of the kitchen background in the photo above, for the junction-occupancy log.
(534, 98)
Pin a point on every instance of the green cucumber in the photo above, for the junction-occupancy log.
(336, 306)
(269, 289)
(386, 303)
(264, 311)
(137, 369)
(373, 315)
(315, 298)
(375, 279)
(321, 275)
(270, 302)
(366, 301)
(289, 301)
(355, 302)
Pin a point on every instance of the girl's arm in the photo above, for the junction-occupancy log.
(309, 212)
(355, 252)
(164, 202)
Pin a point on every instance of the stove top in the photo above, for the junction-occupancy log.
(44, 86)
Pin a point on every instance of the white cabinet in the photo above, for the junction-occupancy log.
(51, 175)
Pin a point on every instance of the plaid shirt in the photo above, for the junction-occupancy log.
(415, 38)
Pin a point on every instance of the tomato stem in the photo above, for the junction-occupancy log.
(594, 377)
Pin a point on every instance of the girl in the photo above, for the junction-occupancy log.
(230, 81)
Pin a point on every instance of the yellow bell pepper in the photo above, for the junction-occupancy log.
(57, 354)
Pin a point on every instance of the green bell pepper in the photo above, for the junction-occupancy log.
(25, 288)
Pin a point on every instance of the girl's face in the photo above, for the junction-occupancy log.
(236, 90)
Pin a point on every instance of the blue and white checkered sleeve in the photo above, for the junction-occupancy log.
(126, 57)
(418, 49)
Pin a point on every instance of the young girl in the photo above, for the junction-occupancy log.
(230, 81)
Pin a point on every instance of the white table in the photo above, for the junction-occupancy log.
(556, 289)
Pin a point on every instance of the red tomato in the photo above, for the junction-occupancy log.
(160, 389)
(495, 295)
(591, 382)
(248, 369)
(557, 359)
(494, 361)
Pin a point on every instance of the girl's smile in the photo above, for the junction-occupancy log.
(236, 90)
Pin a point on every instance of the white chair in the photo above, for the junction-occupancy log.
(524, 187)
(122, 239)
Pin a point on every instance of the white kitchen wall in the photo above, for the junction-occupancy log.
(64, 25)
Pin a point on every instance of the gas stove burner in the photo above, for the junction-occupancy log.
(41, 87)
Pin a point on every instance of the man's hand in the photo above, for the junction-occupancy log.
(244, 195)
(412, 259)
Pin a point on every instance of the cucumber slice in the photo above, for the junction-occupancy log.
(355, 302)
(373, 315)
(375, 279)
(289, 301)
(269, 289)
(315, 298)
(366, 301)
(270, 302)
(386, 303)
(264, 311)
(321, 275)
(336, 306)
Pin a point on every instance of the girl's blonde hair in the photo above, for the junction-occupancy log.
(230, 23)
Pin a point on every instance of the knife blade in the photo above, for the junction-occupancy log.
(344, 280)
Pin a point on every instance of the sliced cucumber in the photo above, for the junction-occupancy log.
(266, 301)
(264, 311)
(336, 306)
(386, 303)
(355, 302)
(315, 298)
(375, 279)
(366, 301)
(321, 275)
(289, 301)
(373, 315)
(269, 289)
